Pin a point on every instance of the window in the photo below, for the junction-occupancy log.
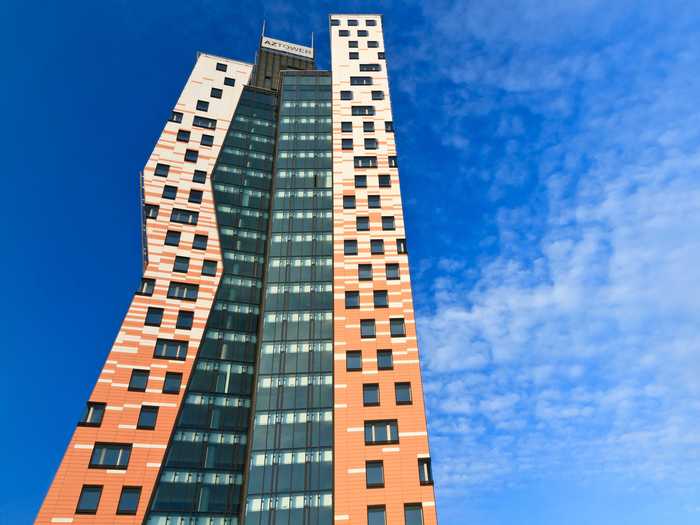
(216, 92)
(195, 196)
(385, 360)
(209, 268)
(151, 211)
(346, 95)
(362, 32)
(147, 418)
(175, 116)
(335, 22)
(346, 143)
(343, 32)
(401, 246)
(184, 216)
(352, 44)
(221, 67)
(372, 44)
(352, 22)
(403, 393)
(360, 81)
(352, 300)
(204, 122)
(376, 515)
(348, 202)
(350, 247)
(139, 380)
(425, 471)
(377, 95)
(89, 499)
(371, 143)
(184, 320)
(110, 455)
(374, 201)
(381, 432)
(388, 223)
(183, 135)
(363, 110)
(199, 176)
(207, 140)
(360, 181)
(389, 126)
(170, 349)
(370, 395)
(392, 162)
(92, 417)
(129, 500)
(154, 316)
(354, 55)
(397, 327)
(371, 22)
(376, 246)
(381, 299)
(362, 224)
(364, 272)
(202, 105)
(172, 383)
(182, 264)
(374, 472)
(413, 514)
(365, 162)
(367, 328)
(368, 127)
(384, 181)
(162, 170)
(191, 155)
(200, 242)
(353, 361)
(169, 192)
(380, 55)
(370, 67)
(147, 287)
(228, 81)
(346, 127)
(172, 238)
(184, 291)
(392, 272)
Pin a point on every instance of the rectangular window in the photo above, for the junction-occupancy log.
(151, 211)
(371, 44)
(216, 92)
(360, 181)
(365, 162)
(147, 418)
(392, 272)
(364, 272)
(346, 143)
(377, 95)
(221, 67)
(348, 202)
(170, 349)
(425, 471)
(169, 192)
(172, 238)
(352, 300)
(228, 81)
(368, 126)
(368, 328)
(371, 22)
(381, 432)
(200, 242)
(381, 299)
(385, 360)
(182, 264)
(110, 455)
(352, 44)
(360, 81)
(162, 170)
(202, 105)
(184, 216)
(413, 514)
(388, 223)
(393, 162)
(350, 247)
(154, 316)
(129, 500)
(147, 287)
(172, 383)
(370, 67)
(362, 224)
(209, 268)
(374, 473)
(184, 320)
(363, 110)
(346, 95)
(376, 246)
(403, 393)
(371, 143)
(389, 126)
(352, 22)
(139, 380)
(362, 32)
(370, 394)
(89, 499)
(207, 140)
(191, 155)
(335, 22)
(346, 127)
(183, 135)
(397, 327)
(354, 55)
(185, 291)
(343, 32)
(384, 181)
(353, 361)
(199, 176)
(376, 515)
(92, 417)
(195, 196)
(204, 122)
(175, 116)
(401, 246)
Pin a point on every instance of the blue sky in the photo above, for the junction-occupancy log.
(550, 166)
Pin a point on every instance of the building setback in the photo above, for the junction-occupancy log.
(267, 370)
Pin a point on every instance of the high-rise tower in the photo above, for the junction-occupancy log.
(267, 369)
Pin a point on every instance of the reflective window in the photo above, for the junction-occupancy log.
(367, 328)
(129, 500)
(154, 316)
(381, 432)
(110, 455)
(403, 393)
(413, 514)
(374, 471)
(89, 499)
(92, 417)
(172, 383)
(353, 360)
(385, 360)
(370, 394)
(139, 380)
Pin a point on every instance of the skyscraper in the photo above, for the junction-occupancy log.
(267, 369)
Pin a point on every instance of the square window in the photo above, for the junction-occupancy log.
(346, 95)
(370, 395)
(216, 92)
(346, 143)
(200, 242)
(354, 55)
(353, 361)
(129, 500)
(346, 127)
(388, 223)
(348, 202)
(381, 299)
(221, 67)
(183, 135)
(350, 247)
(376, 515)
(376, 246)
(191, 155)
(162, 170)
(172, 383)
(147, 287)
(385, 360)
(92, 417)
(199, 176)
(352, 44)
(362, 224)
(110, 455)
(343, 32)
(147, 418)
(89, 499)
(352, 300)
(397, 327)
(371, 144)
(207, 140)
(202, 105)
(377, 95)
(184, 320)
(228, 81)
(195, 196)
(368, 127)
(392, 272)
(360, 181)
(151, 211)
(384, 181)
(393, 162)
(380, 55)
(170, 192)
(209, 268)
(374, 471)
(403, 393)
(182, 264)
(413, 514)
(172, 238)
(389, 126)
(374, 201)
(401, 246)
(175, 116)
(425, 471)
(367, 328)
(154, 316)
(139, 380)
(364, 272)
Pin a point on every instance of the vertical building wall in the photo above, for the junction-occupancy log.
(374, 419)
(178, 197)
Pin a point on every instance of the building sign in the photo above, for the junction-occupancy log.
(287, 47)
